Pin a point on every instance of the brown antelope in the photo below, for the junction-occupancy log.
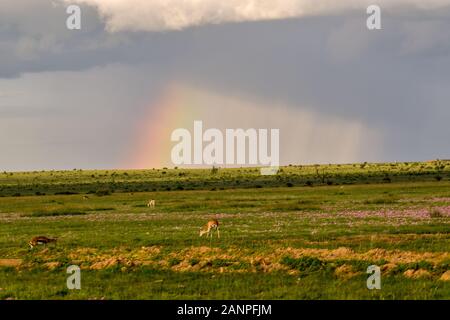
(85, 198)
(151, 203)
(40, 240)
(207, 228)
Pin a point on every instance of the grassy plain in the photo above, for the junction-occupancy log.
(309, 232)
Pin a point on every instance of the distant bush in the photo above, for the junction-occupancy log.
(65, 193)
(386, 200)
(435, 213)
(56, 213)
(102, 193)
(102, 209)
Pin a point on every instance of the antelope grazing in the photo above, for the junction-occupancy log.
(151, 204)
(85, 198)
(40, 240)
(209, 227)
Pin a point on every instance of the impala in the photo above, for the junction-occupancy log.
(40, 240)
(209, 227)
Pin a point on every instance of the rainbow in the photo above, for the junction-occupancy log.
(305, 136)
(176, 108)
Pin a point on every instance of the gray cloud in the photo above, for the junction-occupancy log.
(395, 80)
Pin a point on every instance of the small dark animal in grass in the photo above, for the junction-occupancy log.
(40, 240)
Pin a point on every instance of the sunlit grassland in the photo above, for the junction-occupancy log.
(302, 241)
(101, 181)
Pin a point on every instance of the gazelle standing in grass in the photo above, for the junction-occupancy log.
(40, 240)
(151, 203)
(209, 227)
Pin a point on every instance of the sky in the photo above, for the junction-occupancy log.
(109, 95)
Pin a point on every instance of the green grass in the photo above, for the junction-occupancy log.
(154, 284)
(277, 241)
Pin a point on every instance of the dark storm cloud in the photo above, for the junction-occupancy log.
(396, 79)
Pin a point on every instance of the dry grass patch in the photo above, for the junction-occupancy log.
(52, 265)
(10, 262)
(233, 259)
(388, 267)
(416, 274)
(345, 271)
(445, 276)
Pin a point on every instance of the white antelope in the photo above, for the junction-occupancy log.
(151, 204)
(207, 228)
